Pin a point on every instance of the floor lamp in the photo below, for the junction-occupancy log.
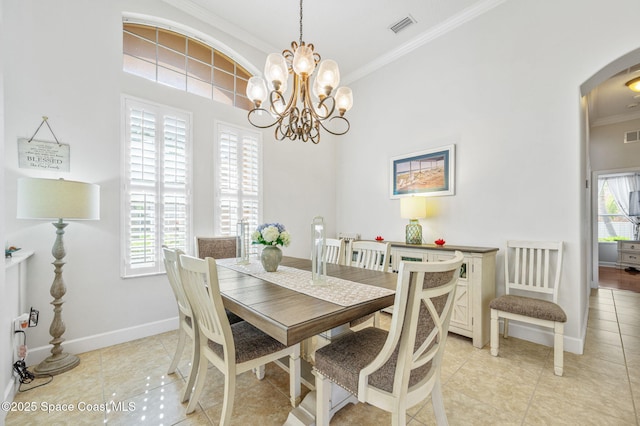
(57, 199)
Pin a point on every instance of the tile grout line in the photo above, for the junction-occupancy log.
(624, 354)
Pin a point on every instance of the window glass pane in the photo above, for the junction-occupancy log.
(171, 78)
(136, 46)
(223, 80)
(222, 96)
(144, 31)
(172, 40)
(241, 72)
(139, 67)
(178, 61)
(222, 61)
(170, 59)
(241, 86)
(199, 70)
(199, 87)
(200, 51)
(612, 223)
(244, 103)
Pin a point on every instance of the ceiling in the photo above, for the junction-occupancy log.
(357, 35)
(354, 33)
(612, 101)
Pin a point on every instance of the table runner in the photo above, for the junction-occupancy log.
(335, 290)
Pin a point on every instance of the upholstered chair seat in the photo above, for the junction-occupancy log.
(250, 343)
(535, 308)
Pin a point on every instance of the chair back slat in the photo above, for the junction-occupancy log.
(369, 255)
(200, 280)
(532, 266)
(334, 251)
(171, 259)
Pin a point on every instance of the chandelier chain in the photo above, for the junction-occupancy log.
(300, 22)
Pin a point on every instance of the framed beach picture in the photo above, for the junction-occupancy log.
(426, 173)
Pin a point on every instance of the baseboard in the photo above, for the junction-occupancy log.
(543, 336)
(99, 341)
(9, 393)
(608, 264)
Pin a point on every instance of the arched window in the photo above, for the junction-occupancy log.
(184, 63)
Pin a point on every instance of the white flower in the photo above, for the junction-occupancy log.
(270, 234)
(255, 236)
(286, 238)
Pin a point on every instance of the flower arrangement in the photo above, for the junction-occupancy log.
(271, 234)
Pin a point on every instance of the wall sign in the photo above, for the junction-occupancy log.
(41, 155)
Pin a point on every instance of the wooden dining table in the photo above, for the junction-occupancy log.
(291, 317)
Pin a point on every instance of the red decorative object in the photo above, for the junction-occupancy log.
(439, 242)
(379, 238)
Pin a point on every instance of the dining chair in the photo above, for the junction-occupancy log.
(231, 348)
(335, 251)
(369, 255)
(218, 248)
(186, 327)
(532, 277)
(398, 369)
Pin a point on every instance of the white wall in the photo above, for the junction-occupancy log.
(608, 150)
(6, 332)
(505, 89)
(68, 66)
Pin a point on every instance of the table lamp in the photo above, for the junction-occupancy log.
(413, 208)
(57, 199)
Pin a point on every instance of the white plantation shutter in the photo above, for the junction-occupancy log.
(239, 176)
(157, 185)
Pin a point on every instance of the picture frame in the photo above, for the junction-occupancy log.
(428, 173)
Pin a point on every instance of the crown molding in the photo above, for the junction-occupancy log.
(433, 33)
(614, 119)
(206, 16)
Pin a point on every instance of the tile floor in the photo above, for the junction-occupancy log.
(601, 387)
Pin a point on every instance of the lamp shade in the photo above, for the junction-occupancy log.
(57, 199)
(413, 207)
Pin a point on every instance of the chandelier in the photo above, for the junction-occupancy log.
(309, 107)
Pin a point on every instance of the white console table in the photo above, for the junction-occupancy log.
(476, 285)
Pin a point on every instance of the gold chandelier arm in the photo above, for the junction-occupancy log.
(336, 133)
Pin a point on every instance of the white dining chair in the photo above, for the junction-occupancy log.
(371, 255)
(398, 369)
(335, 251)
(231, 348)
(186, 325)
(219, 248)
(532, 272)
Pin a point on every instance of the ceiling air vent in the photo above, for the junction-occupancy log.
(630, 137)
(402, 24)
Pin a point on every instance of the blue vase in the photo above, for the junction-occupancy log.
(270, 258)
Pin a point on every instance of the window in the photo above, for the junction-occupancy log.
(613, 225)
(183, 63)
(239, 178)
(156, 204)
